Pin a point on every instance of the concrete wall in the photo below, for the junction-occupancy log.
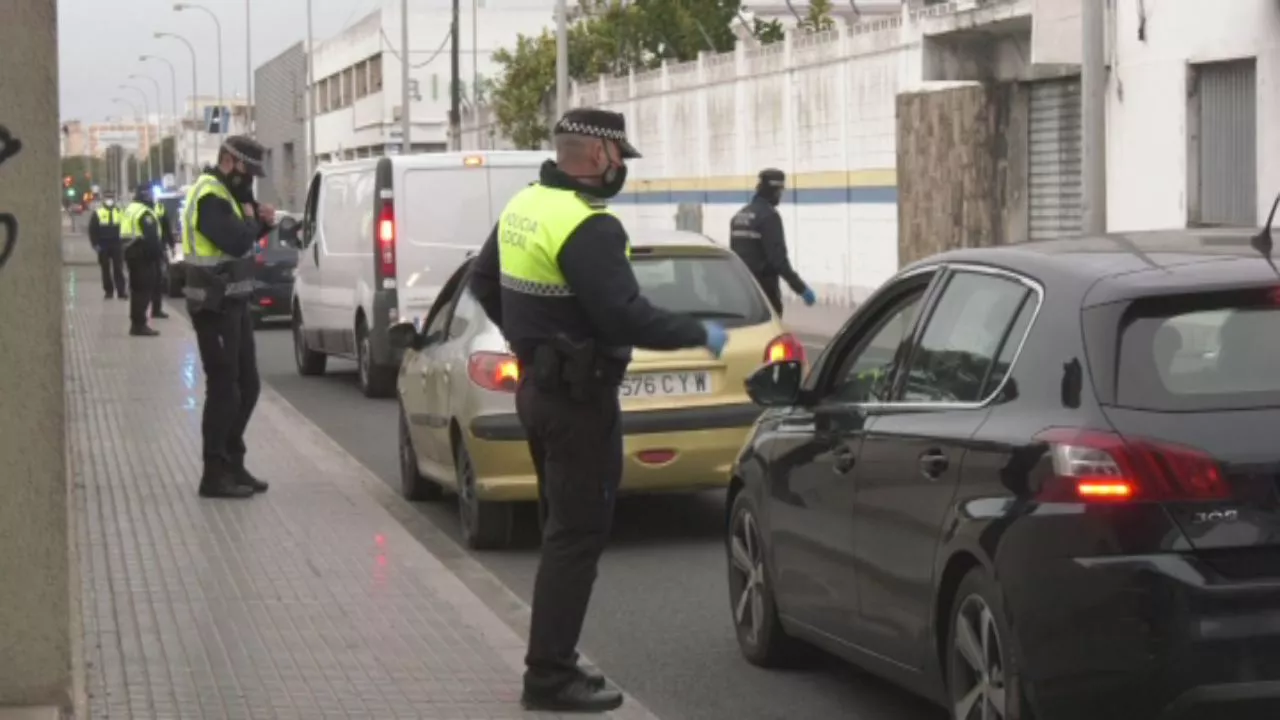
(279, 89)
(35, 590)
(961, 168)
(1147, 107)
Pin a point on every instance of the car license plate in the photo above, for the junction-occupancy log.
(666, 384)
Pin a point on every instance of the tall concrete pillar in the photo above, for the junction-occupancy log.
(35, 546)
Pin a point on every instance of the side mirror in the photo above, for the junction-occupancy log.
(289, 232)
(776, 384)
(404, 336)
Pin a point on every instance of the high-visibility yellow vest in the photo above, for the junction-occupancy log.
(193, 241)
(108, 216)
(131, 221)
(531, 231)
(201, 256)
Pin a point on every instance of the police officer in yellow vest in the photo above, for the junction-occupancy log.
(555, 275)
(104, 236)
(140, 232)
(220, 227)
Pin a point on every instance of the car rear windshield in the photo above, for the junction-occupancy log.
(279, 249)
(707, 287)
(1204, 351)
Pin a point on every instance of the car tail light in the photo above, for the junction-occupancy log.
(784, 347)
(387, 239)
(494, 371)
(1101, 467)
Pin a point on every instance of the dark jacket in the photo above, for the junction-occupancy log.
(606, 305)
(99, 233)
(756, 235)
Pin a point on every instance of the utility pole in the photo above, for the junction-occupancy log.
(248, 67)
(562, 58)
(406, 118)
(311, 99)
(1093, 109)
(455, 100)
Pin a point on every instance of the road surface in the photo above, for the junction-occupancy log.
(659, 623)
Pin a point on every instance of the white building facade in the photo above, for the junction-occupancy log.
(357, 94)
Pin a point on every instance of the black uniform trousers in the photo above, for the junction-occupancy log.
(157, 287)
(142, 282)
(232, 386)
(577, 454)
(111, 260)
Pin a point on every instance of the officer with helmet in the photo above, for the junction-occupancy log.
(756, 236)
(555, 275)
(220, 228)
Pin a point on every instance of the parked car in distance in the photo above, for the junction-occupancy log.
(379, 239)
(1038, 480)
(277, 261)
(685, 413)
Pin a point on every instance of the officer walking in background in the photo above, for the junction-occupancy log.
(555, 275)
(140, 232)
(104, 236)
(756, 235)
(166, 239)
(220, 227)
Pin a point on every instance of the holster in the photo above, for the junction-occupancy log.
(572, 368)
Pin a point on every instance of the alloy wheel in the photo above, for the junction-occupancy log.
(299, 344)
(364, 359)
(747, 576)
(978, 690)
(466, 493)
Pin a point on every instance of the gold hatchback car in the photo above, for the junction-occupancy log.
(685, 413)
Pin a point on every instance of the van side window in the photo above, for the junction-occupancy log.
(309, 212)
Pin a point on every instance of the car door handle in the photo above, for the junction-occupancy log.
(933, 463)
(843, 459)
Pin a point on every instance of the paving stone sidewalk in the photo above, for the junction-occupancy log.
(308, 602)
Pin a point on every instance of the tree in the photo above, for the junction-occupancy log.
(818, 17)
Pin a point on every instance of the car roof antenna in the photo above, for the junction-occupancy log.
(1262, 242)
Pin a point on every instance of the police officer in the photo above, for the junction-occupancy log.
(555, 276)
(140, 232)
(220, 226)
(166, 237)
(756, 235)
(104, 236)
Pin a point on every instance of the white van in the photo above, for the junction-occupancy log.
(380, 237)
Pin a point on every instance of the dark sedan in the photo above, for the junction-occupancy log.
(277, 261)
(1040, 480)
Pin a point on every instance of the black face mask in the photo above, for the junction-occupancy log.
(240, 184)
(612, 179)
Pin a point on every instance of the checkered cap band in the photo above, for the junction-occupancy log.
(577, 128)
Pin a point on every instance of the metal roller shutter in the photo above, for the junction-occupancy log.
(1054, 193)
(1228, 152)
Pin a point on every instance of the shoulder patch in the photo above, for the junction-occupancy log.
(592, 202)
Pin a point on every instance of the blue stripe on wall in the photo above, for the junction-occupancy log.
(799, 196)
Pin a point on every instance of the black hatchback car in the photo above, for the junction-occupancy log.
(1040, 480)
(277, 261)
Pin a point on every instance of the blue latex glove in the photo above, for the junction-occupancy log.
(716, 337)
(809, 297)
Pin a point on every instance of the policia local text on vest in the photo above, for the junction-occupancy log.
(104, 237)
(220, 227)
(140, 232)
(555, 276)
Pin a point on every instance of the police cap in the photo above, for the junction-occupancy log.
(246, 150)
(603, 124)
(773, 177)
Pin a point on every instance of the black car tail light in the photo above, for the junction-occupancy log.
(1101, 467)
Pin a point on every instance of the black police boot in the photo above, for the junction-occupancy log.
(143, 331)
(110, 295)
(123, 296)
(247, 479)
(160, 315)
(580, 695)
(219, 481)
(594, 678)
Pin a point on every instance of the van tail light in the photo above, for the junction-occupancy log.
(1101, 467)
(260, 254)
(387, 239)
(784, 347)
(498, 372)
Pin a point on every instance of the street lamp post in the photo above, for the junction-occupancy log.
(137, 166)
(159, 124)
(146, 109)
(248, 66)
(173, 86)
(222, 121)
(195, 118)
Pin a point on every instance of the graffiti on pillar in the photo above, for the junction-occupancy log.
(9, 147)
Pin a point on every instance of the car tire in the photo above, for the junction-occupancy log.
(485, 525)
(310, 363)
(375, 380)
(761, 638)
(413, 485)
(981, 662)
(175, 282)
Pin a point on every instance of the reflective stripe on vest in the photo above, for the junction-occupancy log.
(131, 222)
(109, 216)
(533, 228)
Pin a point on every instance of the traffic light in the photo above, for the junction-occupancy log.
(67, 181)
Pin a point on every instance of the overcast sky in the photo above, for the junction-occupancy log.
(100, 41)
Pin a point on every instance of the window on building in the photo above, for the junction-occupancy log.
(348, 86)
(323, 96)
(375, 73)
(362, 79)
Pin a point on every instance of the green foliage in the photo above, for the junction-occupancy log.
(768, 32)
(818, 16)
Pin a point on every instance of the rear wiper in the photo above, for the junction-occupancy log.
(718, 314)
(1262, 242)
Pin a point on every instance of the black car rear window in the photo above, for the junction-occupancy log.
(1203, 351)
(279, 249)
(707, 287)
